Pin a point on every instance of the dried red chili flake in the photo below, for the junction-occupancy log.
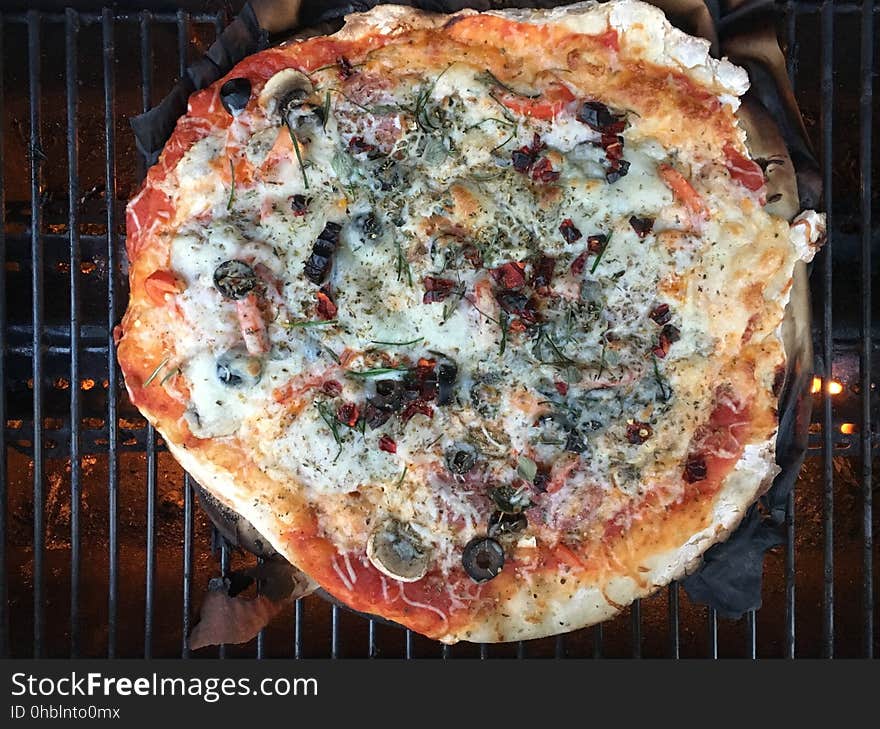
(358, 145)
(595, 243)
(613, 146)
(326, 308)
(668, 336)
(569, 231)
(332, 388)
(600, 118)
(524, 157)
(423, 379)
(437, 289)
(578, 264)
(472, 255)
(299, 205)
(348, 414)
(695, 468)
(510, 275)
(637, 433)
(424, 368)
(346, 70)
(671, 333)
(618, 169)
(661, 349)
(387, 444)
(660, 314)
(416, 406)
(642, 226)
(543, 171)
(542, 274)
(561, 387)
(518, 304)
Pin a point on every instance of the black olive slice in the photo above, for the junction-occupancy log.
(237, 368)
(461, 458)
(318, 264)
(482, 559)
(234, 279)
(235, 95)
(509, 499)
(446, 374)
(501, 523)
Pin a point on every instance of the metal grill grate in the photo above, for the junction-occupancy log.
(100, 534)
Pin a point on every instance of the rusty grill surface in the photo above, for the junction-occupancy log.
(104, 551)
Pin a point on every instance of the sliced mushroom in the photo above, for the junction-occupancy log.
(395, 551)
(285, 88)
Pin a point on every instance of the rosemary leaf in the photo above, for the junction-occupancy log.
(298, 151)
(325, 110)
(397, 344)
(156, 372)
(601, 253)
(375, 372)
(231, 186)
(308, 323)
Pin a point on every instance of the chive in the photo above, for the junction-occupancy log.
(156, 372)
(232, 185)
(375, 372)
(325, 110)
(664, 394)
(601, 360)
(333, 424)
(402, 264)
(492, 78)
(505, 327)
(309, 323)
(171, 374)
(601, 253)
(559, 352)
(397, 344)
(504, 110)
(296, 149)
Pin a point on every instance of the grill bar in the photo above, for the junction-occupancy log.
(751, 635)
(109, 52)
(636, 612)
(187, 563)
(866, 111)
(71, 37)
(674, 636)
(790, 619)
(827, 86)
(36, 170)
(4, 498)
(298, 619)
(713, 632)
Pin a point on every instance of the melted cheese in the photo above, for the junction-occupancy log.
(430, 159)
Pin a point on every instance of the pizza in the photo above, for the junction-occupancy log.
(476, 318)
